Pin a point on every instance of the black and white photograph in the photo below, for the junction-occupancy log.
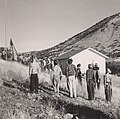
(59, 59)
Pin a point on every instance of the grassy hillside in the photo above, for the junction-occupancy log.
(17, 72)
(15, 102)
(14, 99)
(13, 71)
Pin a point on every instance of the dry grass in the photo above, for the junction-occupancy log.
(16, 114)
(21, 112)
(13, 70)
(19, 72)
(99, 94)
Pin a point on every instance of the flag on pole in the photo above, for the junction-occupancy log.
(13, 50)
(11, 43)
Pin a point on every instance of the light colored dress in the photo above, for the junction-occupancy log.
(56, 78)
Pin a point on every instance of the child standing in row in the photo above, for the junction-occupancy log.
(79, 74)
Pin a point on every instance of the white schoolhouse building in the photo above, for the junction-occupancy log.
(83, 56)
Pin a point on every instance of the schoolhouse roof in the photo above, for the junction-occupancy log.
(73, 52)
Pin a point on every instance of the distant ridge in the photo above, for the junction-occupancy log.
(104, 36)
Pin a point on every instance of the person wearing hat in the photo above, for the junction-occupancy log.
(71, 78)
(108, 85)
(91, 80)
(57, 73)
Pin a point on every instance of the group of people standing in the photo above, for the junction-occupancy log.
(93, 80)
(73, 74)
(46, 64)
(34, 70)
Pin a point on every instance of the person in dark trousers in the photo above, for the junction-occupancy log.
(91, 80)
(79, 74)
(71, 78)
(108, 85)
(33, 74)
(96, 68)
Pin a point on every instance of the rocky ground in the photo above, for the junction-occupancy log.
(17, 103)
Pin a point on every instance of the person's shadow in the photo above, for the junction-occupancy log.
(49, 89)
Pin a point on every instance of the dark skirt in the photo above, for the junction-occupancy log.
(79, 79)
(108, 92)
(34, 83)
(90, 90)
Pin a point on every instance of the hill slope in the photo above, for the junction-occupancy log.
(104, 36)
(17, 103)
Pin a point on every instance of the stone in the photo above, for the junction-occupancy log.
(40, 98)
(10, 79)
(68, 116)
(18, 105)
(76, 117)
(56, 117)
(34, 100)
(1, 82)
(29, 96)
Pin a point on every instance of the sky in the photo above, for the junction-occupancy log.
(36, 25)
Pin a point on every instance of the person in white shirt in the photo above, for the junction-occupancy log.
(44, 62)
(33, 74)
(57, 73)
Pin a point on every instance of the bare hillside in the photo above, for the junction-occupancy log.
(104, 36)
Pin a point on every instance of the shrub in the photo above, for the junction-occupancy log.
(114, 67)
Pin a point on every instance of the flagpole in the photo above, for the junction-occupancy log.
(6, 37)
(6, 28)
